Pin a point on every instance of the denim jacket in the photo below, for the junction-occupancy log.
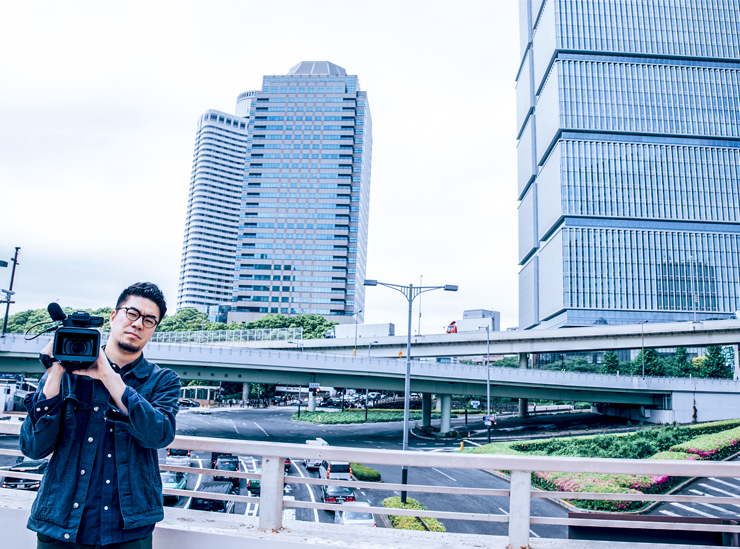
(65, 430)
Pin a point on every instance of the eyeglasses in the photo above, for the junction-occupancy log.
(133, 315)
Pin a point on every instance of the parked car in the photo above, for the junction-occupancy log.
(355, 517)
(172, 481)
(336, 494)
(288, 463)
(25, 465)
(202, 503)
(178, 457)
(335, 470)
(228, 463)
(188, 403)
(253, 484)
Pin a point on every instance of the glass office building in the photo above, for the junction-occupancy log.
(298, 238)
(629, 161)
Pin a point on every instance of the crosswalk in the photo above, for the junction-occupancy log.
(711, 486)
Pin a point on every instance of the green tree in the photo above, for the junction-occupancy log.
(679, 364)
(184, 320)
(506, 362)
(20, 322)
(610, 362)
(314, 326)
(653, 364)
(715, 364)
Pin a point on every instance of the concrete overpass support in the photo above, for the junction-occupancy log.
(444, 426)
(245, 392)
(523, 402)
(311, 401)
(426, 409)
(736, 369)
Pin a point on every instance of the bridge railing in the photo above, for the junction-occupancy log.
(245, 338)
(520, 492)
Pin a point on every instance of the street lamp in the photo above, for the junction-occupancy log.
(488, 376)
(354, 353)
(642, 334)
(369, 346)
(410, 293)
(9, 292)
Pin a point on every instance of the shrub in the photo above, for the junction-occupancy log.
(411, 523)
(716, 446)
(333, 418)
(365, 473)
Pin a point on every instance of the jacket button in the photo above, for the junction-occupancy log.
(66, 536)
(90, 439)
(82, 472)
(107, 481)
(76, 505)
(95, 409)
(38, 409)
(109, 455)
(105, 508)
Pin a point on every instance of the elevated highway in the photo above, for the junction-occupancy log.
(653, 399)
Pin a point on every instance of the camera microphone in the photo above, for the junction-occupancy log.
(56, 312)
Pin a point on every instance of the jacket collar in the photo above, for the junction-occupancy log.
(140, 368)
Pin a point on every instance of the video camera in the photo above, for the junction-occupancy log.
(77, 339)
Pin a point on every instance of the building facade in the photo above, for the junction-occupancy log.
(628, 161)
(298, 238)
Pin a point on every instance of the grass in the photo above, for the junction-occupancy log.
(404, 522)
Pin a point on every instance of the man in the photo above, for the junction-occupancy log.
(102, 488)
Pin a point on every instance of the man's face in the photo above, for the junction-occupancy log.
(132, 335)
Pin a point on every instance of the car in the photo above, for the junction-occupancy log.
(201, 503)
(335, 470)
(178, 457)
(253, 484)
(216, 455)
(337, 494)
(355, 517)
(188, 403)
(25, 465)
(172, 481)
(228, 463)
(287, 464)
(314, 463)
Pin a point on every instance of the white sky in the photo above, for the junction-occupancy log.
(98, 109)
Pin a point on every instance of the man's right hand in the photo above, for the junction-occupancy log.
(53, 374)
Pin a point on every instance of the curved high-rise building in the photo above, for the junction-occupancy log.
(629, 161)
(207, 264)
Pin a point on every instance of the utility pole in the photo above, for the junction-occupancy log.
(10, 290)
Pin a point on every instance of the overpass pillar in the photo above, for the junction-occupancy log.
(444, 426)
(523, 402)
(245, 392)
(311, 401)
(426, 409)
(736, 370)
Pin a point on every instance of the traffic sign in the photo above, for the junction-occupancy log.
(313, 385)
(487, 423)
(475, 403)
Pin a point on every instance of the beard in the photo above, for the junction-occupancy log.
(127, 347)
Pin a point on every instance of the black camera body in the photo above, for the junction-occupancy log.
(77, 340)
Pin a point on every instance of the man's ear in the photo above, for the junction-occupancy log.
(112, 315)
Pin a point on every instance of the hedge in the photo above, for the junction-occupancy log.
(716, 446)
(332, 418)
(362, 472)
(411, 523)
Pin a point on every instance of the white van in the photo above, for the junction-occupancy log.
(335, 470)
(314, 463)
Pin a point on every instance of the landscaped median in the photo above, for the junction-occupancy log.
(411, 523)
(373, 416)
(707, 441)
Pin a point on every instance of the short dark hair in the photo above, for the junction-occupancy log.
(146, 290)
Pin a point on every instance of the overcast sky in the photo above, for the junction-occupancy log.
(98, 109)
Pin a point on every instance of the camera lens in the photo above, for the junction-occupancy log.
(78, 347)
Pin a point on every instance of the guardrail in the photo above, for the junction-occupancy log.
(520, 492)
(230, 337)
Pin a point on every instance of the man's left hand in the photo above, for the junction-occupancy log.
(100, 369)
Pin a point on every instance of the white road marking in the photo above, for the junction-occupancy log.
(261, 429)
(234, 425)
(473, 443)
(718, 490)
(197, 482)
(692, 510)
(254, 464)
(444, 474)
(310, 493)
(709, 504)
(670, 514)
(735, 486)
(535, 534)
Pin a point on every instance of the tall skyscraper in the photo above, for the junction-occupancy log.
(297, 241)
(629, 161)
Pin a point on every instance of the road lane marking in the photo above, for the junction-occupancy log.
(473, 443)
(735, 486)
(692, 510)
(260, 428)
(709, 504)
(720, 490)
(310, 492)
(234, 426)
(669, 513)
(197, 482)
(444, 474)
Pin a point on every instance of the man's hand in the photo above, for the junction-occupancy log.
(53, 374)
(103, 371)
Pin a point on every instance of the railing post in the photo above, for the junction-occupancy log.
(519, 502)
(271, 494)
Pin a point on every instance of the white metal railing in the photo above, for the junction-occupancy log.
(245, 338)
(520, 492)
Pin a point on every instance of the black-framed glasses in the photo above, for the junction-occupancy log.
(133, 314)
